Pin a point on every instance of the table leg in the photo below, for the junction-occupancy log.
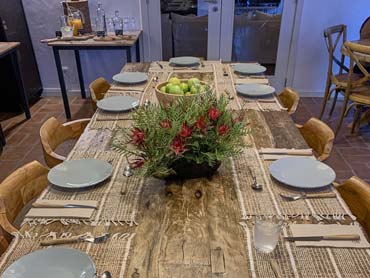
(20, 84)
(80, 75)
(61, 82)
(2, 137)
(128, 55)
(138, 50)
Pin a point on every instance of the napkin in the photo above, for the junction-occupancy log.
(63, 212)
(333, 229)
(252, 81)
(275, 154)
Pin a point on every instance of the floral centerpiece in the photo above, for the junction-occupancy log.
(188, 139)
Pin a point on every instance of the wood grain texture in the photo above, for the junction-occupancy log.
(6, 47)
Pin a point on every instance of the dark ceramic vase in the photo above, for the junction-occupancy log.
(192, 170)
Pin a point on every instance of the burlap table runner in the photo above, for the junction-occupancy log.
(268, 201)
(118, 197)
(306, 262)
(112, 255)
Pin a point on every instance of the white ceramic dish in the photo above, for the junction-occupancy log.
(118, 103)
(53, 262)
(254, 90)
(248, 68)
(82, 173)
(130, 77)
(303, 173)
(184, 61)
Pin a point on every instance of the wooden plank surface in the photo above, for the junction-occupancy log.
(6, 47)
(192, 229)
(93, 43)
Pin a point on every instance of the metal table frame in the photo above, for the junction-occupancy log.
(13, 54)
(76, 49)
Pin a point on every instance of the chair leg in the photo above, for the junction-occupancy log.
(356, 120)
(341, 117)
(334, 103)
(326, 96)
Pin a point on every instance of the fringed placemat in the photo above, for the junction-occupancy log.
(112, 255)
(118, 197)
(302, 262)
(131, 87)
(268, 201)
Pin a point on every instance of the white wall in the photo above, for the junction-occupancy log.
(311, 59)
(43, 20)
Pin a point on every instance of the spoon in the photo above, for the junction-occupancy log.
(256, 185)
(105, 274)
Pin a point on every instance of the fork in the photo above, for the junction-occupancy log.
(100, 239)
(308, 196)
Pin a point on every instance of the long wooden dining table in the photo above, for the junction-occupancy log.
(199, 227)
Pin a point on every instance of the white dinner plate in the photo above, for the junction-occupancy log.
(302, 172)
(184, 61)
(131, 77)
(248, 68)
(118, 103)
(53, 262)
(81, 173)
(254, 90)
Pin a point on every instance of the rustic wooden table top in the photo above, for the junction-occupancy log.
(6, 47)
(180, 235)
(93, 43)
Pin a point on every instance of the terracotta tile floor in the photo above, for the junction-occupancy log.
(351, 154)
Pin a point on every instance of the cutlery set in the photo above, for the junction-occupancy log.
(352, 237)
(53, 205)
(99, 239)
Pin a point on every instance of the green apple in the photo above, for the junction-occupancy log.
(194, 89)
(202, 88)
(163, 89)
(174, 81)
(175, 90)
(193, 81)
(184, 87)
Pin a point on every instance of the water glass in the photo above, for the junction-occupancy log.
(67, 30)
(132, 24)
(266, 233)
(126, 21)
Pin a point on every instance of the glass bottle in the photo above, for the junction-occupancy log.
(118, 24)
(101, 25)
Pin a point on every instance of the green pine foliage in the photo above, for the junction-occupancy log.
(211, 134)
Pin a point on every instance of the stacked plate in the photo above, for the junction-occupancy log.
(118, 103)
(248, 68)
(254, 90)
(130, 77)
(185, 61)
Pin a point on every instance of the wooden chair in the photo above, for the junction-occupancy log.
(358, 90)
(289, 99)
(18, 189)
(53, 133)
(318, 136)
(356, 193)
(335, 36)
(97, 90)
(365, 29)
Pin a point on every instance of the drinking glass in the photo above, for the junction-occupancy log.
(67, 30)
(266, 233)
(126, 21)
(110, 27)
(132, 24)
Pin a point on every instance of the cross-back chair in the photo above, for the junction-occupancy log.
(336, 82)
(356, 193)
(357, 92)
(365, 29)
(98, 88)
(18, 189)
(289, 99)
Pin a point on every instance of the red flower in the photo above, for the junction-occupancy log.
(137, 163)
(185, 131)
(165, 123)
(201, 124)
(177, 145)
(223, 129)
(213, 114)
(137, 136)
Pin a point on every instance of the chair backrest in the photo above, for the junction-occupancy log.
(53, 133)
(20, 187)
(290, 99)
(356, 193)
(365, 29)
(319, 136)
(97, 89)
(335, 36)
(359, 55)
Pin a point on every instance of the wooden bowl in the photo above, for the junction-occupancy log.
(167, 99)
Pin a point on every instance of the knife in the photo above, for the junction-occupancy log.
(320, 238)
(51, 205)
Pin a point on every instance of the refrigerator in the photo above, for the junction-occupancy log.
(13, 27)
